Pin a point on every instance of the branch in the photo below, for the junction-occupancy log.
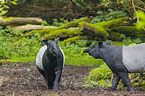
(137, 15)
(140, 8)
(141, 2)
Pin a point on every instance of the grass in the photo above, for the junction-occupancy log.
(76, 60)
(24, 59)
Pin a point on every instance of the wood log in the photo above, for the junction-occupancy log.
(19, 21)
(63, 33)
(32, 27)
(91, 31)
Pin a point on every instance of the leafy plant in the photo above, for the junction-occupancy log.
(59, 22)
(127, 40)
(4, 7)
(100, 76)
(141, 23)
(108, 16)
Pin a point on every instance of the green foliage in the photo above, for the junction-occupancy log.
(100, 76)
(4, 6)
(102, 17)
(141, 23)
(11, 45)
(59, 23)
(127, 40)
(6, 40)
(74, 53)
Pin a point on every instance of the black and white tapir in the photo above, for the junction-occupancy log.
(50, 61)
(121, 60)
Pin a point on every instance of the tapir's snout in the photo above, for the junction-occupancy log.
(86, 50)
(56, 53)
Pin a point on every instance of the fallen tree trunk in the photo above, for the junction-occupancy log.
(19, 21)
(32, 27)
(93, 31)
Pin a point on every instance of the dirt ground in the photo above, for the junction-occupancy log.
(23, 79)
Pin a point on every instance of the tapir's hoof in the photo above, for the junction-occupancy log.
(112, 90)
(131, 90)
(56, 88)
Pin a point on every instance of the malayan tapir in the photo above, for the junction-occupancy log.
(50, 61)
(121, 60)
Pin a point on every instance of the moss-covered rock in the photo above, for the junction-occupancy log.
(74, 23)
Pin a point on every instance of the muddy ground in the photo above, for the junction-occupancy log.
(23, 79)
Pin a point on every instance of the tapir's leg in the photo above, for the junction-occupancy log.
(57, 79)
(43, 74)
(125, 78)
(115, 81)
(49, 78)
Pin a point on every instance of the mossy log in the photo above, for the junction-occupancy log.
(130, 31)
(112, 23)
(93, 30)
(74, 38)
(114, 35)
(74, 23)
(62, 33)
(32, 27)
(42, 32)
(19, 21)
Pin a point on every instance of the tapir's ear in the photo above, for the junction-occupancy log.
(56, 40)
(109, 42)
(44, 41)
(100, 43)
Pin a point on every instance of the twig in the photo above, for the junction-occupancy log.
(137, 15)
(141, 2)
(140, 8)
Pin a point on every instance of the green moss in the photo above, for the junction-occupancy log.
(42, 32)
(62, 33)
(111, 23)
(127, 29)
(99, 29)
(9, 18)
(72, 39)
(115, 35)
(74, 23)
